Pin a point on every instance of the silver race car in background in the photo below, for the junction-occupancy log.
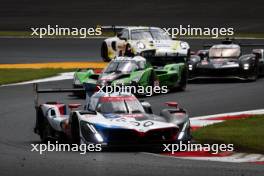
(147, 41)
(109, 120)
(226, 60)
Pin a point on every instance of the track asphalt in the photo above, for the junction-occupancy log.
(18, 117)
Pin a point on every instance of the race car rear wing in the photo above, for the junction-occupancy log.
(88, 88)
(38, 91)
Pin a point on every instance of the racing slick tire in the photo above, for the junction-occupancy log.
(183, 81)
(151, 82)
(75, 130)
(254, 75)
(104, 53)
(128, 51)
(152, 79)
(253, 78)
(46, 132)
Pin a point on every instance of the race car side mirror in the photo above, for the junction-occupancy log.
(119, 35)
(192, 53)
(257, 53)
(74, 106)
(203, 54)
(172, 104)
(147, 107)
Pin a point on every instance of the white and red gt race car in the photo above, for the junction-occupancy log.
(110, 120)
(150, 42)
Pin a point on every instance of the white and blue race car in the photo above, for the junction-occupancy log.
(110, 120)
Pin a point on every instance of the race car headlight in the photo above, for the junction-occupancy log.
(246, 66)
(181, 135)
(184, 45)
(98, 137)
(185, 126)
(190, 67)
(141, 45)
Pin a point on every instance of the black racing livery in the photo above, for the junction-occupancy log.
(227, 60)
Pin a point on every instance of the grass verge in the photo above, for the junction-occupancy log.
(247, 134)
(8, 76)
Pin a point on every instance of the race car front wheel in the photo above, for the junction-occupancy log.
(128, 51)
(104, 53)
(75, 130)
(253, 77)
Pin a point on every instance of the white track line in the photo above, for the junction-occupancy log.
(233, 157)
(253, 112)
(61, 76)
(203, 120)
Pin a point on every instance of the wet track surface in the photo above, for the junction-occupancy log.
(18, 118)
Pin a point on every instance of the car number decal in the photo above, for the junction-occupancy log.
(135, 123)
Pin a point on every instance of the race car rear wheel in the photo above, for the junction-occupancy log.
(46, 132)
(152, 79)
(183, 80)
(104, 53)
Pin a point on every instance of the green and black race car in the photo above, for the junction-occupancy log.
(135, 71)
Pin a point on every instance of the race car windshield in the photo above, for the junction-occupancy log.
(122, 106)
(123, 66)
(159, 34)
(153, 34)
(224, 52)
(141, 35)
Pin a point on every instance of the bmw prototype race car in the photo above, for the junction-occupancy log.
(226, 60)
(110, 119)
(146, 41)
(134, 71)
